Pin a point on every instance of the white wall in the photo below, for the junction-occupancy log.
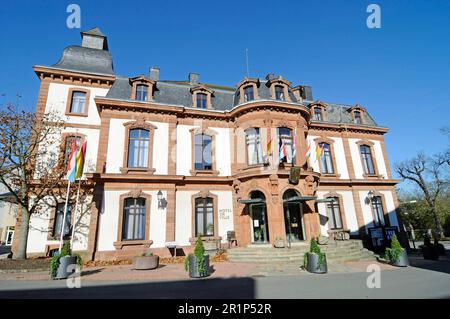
(57, 100)
(349, 211)
(390, 206)
(185, 149)
(183, 227)
(339, 156)
(377, 157)
(109, 219)
(116, 147)
(39, 222)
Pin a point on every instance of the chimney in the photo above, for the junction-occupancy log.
(193, 78)
(94, 39)
(154, 73)
(307, 93)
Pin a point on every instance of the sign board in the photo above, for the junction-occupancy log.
(294, 175)
(380, 237)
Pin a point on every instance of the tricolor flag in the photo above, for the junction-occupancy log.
(72, 163)
(294, 151)
(81, 155)
(308, 150)
(282, 152)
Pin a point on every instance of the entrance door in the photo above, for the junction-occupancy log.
(259, 223)
(259, 227)
(293, 218)
(9, 236)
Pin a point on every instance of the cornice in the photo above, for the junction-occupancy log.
(90, 79)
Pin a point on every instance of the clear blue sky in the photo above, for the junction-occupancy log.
(400, 73)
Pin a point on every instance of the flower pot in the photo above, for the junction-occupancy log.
(145, 262)
(430, 252)
(64, 271)
(279, 243)
(312, 264)
(402, 260)
(194, 271)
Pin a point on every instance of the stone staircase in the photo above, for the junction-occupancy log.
(336, 251)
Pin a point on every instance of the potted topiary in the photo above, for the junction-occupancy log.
(315, 261)
(197, 263)
(59, 265)
(429, 251)
(279, 242)
(396, 255)
(146, 261)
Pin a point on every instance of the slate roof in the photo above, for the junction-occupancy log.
(95, 61)
(87, 60)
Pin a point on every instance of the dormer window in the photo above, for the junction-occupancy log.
(279, 92)
(142, 88)
(202, 99)
(318, 111)
(357, 117)
(248, 90)
(141, 92)
(357, 114)
(318, 114)
(279, 88)
(248, 93)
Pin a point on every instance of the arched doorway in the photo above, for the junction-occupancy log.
(258, 214)
(293, 216)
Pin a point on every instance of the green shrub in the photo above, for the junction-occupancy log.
(393, 253)
(314, 249)
(199, 253)
(65, 251)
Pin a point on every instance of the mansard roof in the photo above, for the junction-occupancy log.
(90, 59)
(86, 60)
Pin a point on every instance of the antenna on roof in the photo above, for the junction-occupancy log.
(246, 59)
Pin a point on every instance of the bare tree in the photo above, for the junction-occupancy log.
(431, 176)
(29, 156)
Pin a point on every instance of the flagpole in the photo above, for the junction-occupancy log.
(75, 214)
(61, 235)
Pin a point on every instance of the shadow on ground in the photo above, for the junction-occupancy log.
(230, 288)
(441, 265)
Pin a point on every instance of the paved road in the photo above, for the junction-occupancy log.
(408, 282)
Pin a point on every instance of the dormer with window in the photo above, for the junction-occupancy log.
(142, 88)
(201, 97)
(279, 88)
(318, 111)
(248, 90)
(357, 113)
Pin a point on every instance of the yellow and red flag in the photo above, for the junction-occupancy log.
(81, 156)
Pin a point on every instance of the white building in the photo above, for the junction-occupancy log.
(172, 160)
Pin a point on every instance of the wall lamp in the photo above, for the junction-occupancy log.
(162, 203)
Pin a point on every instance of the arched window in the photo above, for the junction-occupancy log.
(366, 156)
(138, 148)
(249, 94)
(327, 158)
(378, 212)
(141, 92)
(285, 144)
(134, 219)
(203, 152)
(204, 216)
(202, 100)
(253, 140)
(279, 92)
(334, 214)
